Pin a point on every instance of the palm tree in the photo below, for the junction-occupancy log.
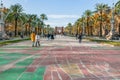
(48, 28)
(101, 8)
(88, 14)
(117, 13)
(77, 25)
(29, 21)
(24, 23)
(16, 13)
(43, 17)
(70, 28)
(34, 22)
(117, 7)
(39, 24)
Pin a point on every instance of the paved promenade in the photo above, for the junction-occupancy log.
(61, 59)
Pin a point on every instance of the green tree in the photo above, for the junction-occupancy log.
(16, 13)
(43, 17)
(100, 7)
(117, 12)
(87, 15)
(70, 28)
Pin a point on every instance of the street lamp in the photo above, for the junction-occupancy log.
(83, 26)
(2, 32)
(112, 22)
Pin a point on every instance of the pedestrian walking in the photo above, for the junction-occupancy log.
(52, 37)
(33, 38)
(37, 40)
(80, 37)
(48, 36)
(76, 35)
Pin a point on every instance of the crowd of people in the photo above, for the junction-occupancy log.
(35, 38)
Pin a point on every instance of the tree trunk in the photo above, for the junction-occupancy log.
(35, 29)
(15, 26)
(38, 30)
(88, 26)
(26, 30)
(91, 31)
(101, 25)
(29, 29)
(119, 28)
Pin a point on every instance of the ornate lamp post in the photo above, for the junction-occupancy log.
(2, 32)
(83, 26)
(112, 22)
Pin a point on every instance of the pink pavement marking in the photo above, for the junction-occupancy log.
(55, 74)
(63, 74)
(48, 74)
(35, 64)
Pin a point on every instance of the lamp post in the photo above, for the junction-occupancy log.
(2, 32)
(112, 22)
(83, 26)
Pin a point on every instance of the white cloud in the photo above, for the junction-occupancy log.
(62, 16)
(60, 20)
(53, 24)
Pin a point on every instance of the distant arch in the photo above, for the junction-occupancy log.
(59, 30)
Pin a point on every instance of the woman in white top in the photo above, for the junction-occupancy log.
(37, 40)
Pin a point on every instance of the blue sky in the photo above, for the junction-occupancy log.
(59, 12)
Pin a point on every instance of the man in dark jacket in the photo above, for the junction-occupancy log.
(80, 37)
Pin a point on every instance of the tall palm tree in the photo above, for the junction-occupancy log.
(39, 24)
(117, 7)
(43, 17)
(87, 15)
(117, 13)
(23, 23)
(34, 21)
(16, 12)
(29, 21)
(101, 8)
(48, 28)
(70, 28)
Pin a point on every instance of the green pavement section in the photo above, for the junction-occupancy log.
(37, 48)
(25, 62)
(3, 53)
(21, 47)
(17, 46)
(106, 48)
(11, 74)
(18, 73)
(9, 57)
(37, 75)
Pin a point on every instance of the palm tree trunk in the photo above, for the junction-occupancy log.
(119, 28)
(38, 30)
(91, 31)
(15, 26)
(85, 31)
(29, 29)
(26, 30)
(88, 26)
(101, 25)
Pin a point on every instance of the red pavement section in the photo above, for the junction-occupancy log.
(35, 64)
(92, 59)
(92, 63)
